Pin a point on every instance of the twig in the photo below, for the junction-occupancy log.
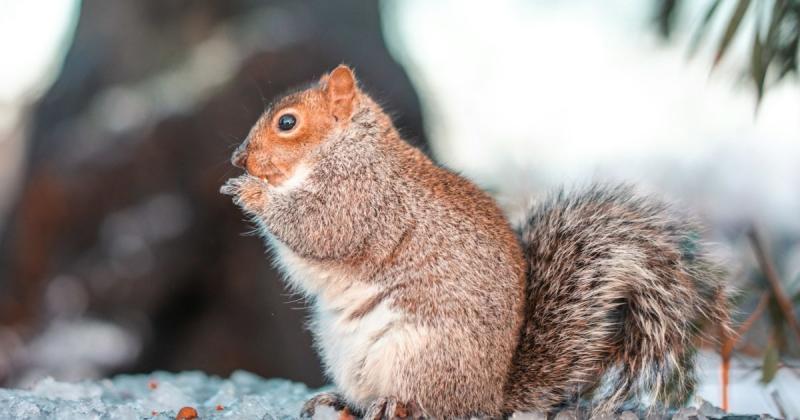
(749, 349)
(771, 274)
(726, 374)
(759, 309)
(729, 343)
(725, 353)
(776, 398)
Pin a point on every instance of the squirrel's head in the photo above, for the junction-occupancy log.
(296, 124)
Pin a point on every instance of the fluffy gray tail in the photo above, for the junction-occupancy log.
(619, 287)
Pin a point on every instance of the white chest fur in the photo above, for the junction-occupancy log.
(347, 345)
(360, 353)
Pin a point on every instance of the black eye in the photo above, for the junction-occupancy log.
(286, 122)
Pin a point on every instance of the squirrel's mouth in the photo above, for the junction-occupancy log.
(273, 174)
(264, 170)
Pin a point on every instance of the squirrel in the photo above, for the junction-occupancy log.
(428, 303)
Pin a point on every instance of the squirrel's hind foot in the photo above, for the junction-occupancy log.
(330, 399)
(387, 408)
(390, 408)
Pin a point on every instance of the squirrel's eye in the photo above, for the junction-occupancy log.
(286, 122)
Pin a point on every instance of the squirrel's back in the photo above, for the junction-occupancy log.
(617, 288)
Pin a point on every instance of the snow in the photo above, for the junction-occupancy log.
(160, 395)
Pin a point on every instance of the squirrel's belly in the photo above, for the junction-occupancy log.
(364, 355)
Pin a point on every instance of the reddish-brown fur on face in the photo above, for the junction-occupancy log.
(271, 153)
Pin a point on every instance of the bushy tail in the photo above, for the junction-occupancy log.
(619, 287)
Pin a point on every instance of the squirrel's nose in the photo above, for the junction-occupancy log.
(239, 158)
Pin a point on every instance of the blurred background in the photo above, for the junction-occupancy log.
(117, 120)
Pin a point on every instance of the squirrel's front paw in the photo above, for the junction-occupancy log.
(248, 192)
(391, 408)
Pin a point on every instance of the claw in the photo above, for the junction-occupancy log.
(232, 186)
(376, 410)
(413, 411)
(227, 189)
(330, 399)
(391, 408)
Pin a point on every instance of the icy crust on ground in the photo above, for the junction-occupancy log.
(159, 395)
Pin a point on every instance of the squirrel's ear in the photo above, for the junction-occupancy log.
(340, 88)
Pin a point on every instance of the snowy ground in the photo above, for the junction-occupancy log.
(161, 395)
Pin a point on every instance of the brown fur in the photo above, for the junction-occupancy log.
(378, 236)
